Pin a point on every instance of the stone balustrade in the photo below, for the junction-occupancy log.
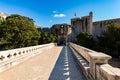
(9, 58)
(99, 69)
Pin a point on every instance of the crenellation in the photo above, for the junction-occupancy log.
(100, 26)
(116, 19)
(84, 24)
(81, 24)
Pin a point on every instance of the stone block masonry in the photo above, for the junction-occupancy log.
(86, 24)
(99, 69)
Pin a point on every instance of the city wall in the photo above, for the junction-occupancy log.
(13, 57)
(101, 26)
(94, 64)
(86, 24)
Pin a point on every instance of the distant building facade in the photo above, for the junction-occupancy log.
(83, 24)
(100, 26)
(63, 32)
(86, 24)
(3, 15)
(67, 32)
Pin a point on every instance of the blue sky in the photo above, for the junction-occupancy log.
(48, 12)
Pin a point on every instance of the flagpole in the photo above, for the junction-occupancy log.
(75, 14)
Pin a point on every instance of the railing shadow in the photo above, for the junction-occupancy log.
(66, 67)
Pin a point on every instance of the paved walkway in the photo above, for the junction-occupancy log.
(66, 67)
(35, 68)
(56, 63)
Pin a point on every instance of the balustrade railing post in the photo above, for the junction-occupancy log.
(9, 58)
(97, 58)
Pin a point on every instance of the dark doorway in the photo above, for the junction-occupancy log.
(61, 41)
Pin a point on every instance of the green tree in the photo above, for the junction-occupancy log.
(85, 39)
(110, 40)
(47, 38)
(18, 31)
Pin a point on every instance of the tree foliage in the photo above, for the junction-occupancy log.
(47, 38)
(110, 39)
(85, 39)
(18, 31)
(108, 42)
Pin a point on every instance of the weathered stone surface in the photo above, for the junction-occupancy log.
(99, 69)
(86, 24)
(66, 67)
(16, 56)
(63, 32)
(38, 67)
(109, 72)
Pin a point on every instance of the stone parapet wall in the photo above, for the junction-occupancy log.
(99, 69)
(84, 65)
(13, 57)
(107, 72)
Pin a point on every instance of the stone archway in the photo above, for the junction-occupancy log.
(61, 40)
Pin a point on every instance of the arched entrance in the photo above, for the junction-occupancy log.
(61, 40)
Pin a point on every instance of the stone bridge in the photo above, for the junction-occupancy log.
(51, 62)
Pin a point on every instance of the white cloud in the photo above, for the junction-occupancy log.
(59, 15)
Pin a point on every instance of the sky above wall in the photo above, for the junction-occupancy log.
(45, 13)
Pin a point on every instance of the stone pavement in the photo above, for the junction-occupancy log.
(66, 67)
(56, 63)
(36, 68)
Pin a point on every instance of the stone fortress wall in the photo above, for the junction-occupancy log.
(80, 24)
(100, 26)
(63, 32)
(85, 24)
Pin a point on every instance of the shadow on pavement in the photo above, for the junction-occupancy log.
(66, 67)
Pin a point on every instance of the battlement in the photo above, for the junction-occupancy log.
(85, 24)
(107, 21)
(75, 19)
